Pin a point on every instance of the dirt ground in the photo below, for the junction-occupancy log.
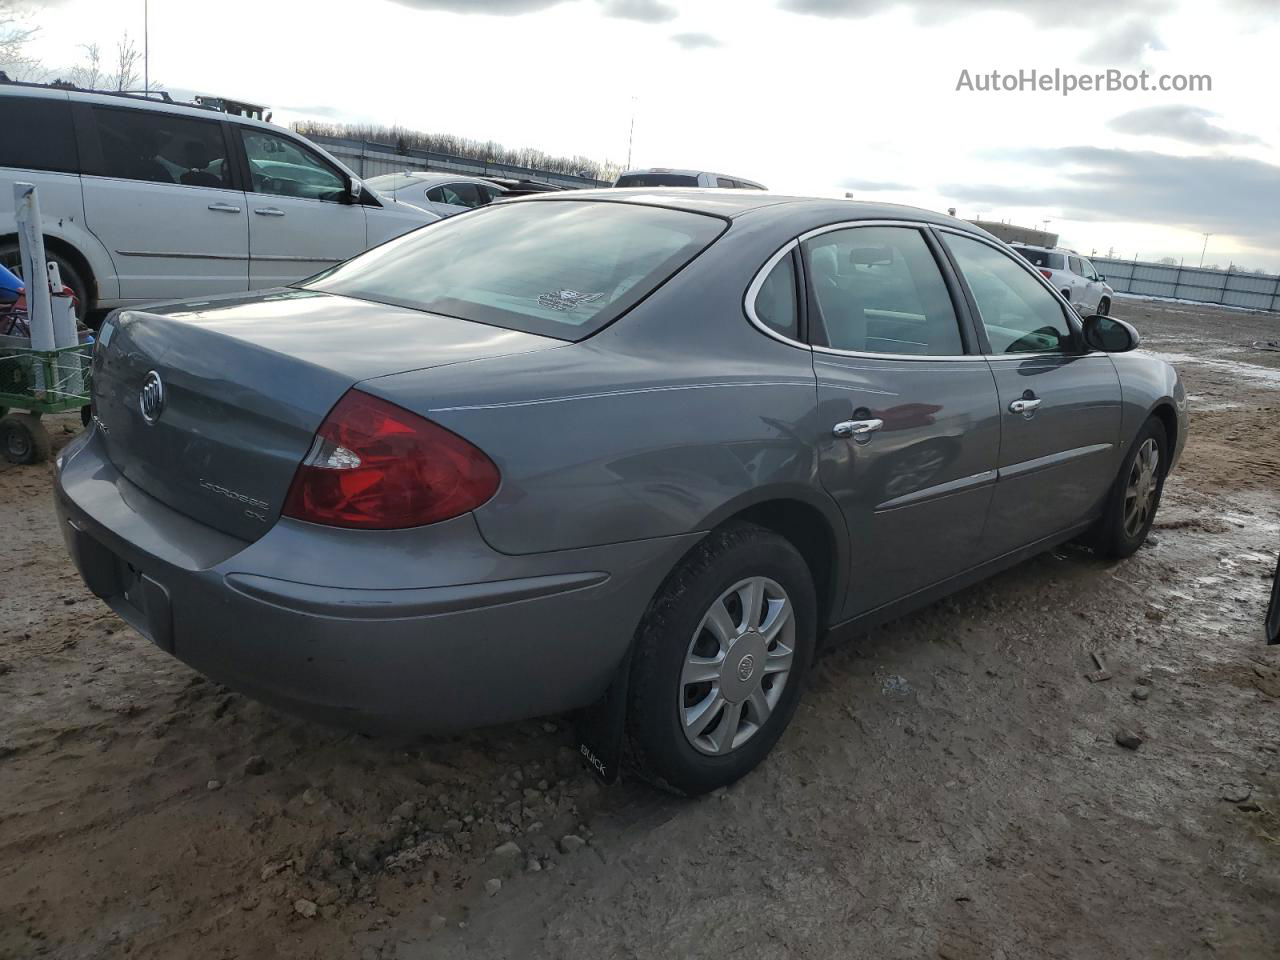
(951, 786)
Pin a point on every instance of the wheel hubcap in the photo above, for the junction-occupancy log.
(736, 666)
(1144, 482)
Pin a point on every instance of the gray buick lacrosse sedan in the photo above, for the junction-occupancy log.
(647, 446)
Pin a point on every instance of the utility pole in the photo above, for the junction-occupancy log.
(146, 47)
(632, 135)
(1205, 247)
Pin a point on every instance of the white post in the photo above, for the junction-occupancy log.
(70, 374)
(31, 249)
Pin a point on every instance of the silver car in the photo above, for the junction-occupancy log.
(444, 194)
(639, 448)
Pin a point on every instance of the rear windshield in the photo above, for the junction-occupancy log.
(1042, 258)
(657, 180)
(562, 269)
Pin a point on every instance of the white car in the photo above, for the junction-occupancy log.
(149, 200)
(664, 177)
(444, 194)
(1074, 276)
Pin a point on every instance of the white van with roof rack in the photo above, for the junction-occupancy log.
(146, 199)
(664, 177)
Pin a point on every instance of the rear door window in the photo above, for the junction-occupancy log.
(879, 290)
(559, 268)
(161, 147)
(1076, 266)
(47, 140)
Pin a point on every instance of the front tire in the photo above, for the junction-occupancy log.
(720, 660)
(1135, 496)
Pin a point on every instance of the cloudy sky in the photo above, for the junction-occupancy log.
(808, 96)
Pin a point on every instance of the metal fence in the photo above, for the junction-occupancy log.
(370, 159)
(1228, 287)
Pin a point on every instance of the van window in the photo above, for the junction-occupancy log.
(283, 168)
(47, 141)
(161, 148)
(725, 182)
(657, 180)
(558, 268)
(1041, 258)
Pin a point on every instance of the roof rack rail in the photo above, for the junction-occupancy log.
(239, 108)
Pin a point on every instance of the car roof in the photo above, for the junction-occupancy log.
(642, 171)
(733, 204)
(431, 178)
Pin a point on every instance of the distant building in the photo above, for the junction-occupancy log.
(1010, 233)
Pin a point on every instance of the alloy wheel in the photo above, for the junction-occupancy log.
(1140, 494)
(736, 666)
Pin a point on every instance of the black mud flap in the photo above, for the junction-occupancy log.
(1273, 611)
(602, 725)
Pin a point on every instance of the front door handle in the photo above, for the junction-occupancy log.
(1026, 406)
(224, 208)
(856, 429)
(268, 211)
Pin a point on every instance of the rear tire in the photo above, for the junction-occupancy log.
(1135, 496)
(720, 660)
(23, 439)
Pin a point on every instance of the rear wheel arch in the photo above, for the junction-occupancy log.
(813, 535)
(72, 255)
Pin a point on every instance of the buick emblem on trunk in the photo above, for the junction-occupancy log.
(151, 397)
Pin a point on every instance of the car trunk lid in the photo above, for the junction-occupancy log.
(209, 407)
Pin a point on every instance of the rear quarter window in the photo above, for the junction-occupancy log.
(558, 268)
(36, 133)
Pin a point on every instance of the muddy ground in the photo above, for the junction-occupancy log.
(951, 786)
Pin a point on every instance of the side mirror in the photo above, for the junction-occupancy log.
(355, 190)
(1110, 334)
(1101, 278)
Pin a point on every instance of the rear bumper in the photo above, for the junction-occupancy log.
(425, 630)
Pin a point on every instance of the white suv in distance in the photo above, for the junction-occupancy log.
(662, 177)
(149, 200)
(1074, 276)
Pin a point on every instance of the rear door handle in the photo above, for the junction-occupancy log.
(1025, 406)
(856, 429)
(268, 211)
(224, 208)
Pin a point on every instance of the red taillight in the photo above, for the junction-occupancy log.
(376, 466)
(1047, 274)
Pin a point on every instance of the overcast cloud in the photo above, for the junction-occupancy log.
(1179, 122)
(1123, 44)
(1232, 195)
(695, 41)
(817, 97)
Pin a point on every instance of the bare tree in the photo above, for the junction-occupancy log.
(89, 74)
(128, 56)
(402, 140)
(15, 33)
